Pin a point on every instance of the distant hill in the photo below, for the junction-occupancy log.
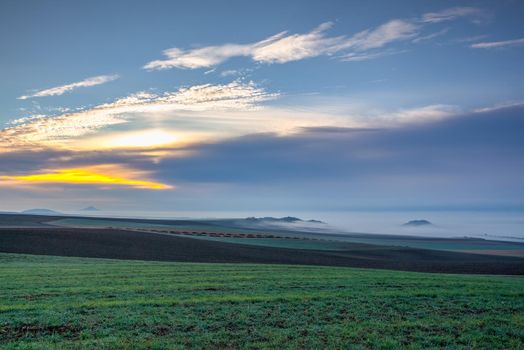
(421, 222)
(286, 219)
(90, 208)
(41, 212)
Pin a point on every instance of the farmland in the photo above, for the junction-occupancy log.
(229, 231)
(162, 246)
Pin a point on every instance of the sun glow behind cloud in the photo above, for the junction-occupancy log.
(142, 139)
(65, 130)
(86, 176)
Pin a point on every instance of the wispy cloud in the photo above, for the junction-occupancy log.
(430, 36)
(498, 44)
(356, 57)
(284, 47)
(229, 72)
(470, 39)
(423, 114)
(60, 90)
(452, 14)
(395, 30)
(42, 129)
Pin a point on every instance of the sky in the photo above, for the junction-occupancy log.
(270, 106)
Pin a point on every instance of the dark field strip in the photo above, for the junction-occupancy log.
(119, 244)
(80, 303)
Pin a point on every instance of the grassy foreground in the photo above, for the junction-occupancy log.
(71, 303)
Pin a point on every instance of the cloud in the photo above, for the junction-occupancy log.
(451, 14)
(149, 122)
(277, 48)
(229, 72)
(498, 44)
(356, 57)
(469, 39)
(284, 47)
(395, 30)
(501, 106)
(49, 129)
(59, 90)
(64, 129)
(198, 58)
(423, 114)
(101, 175)
(474, 158)
(430, 36)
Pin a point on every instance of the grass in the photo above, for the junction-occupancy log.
(71, 303)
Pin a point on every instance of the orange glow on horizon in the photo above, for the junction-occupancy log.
(85, 177)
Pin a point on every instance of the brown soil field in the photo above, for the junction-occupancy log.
(121, 244)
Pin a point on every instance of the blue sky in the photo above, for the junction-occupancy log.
(334, 105)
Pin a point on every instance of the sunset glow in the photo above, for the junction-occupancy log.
(84, 177)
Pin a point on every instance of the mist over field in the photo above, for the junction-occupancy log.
(492, 225)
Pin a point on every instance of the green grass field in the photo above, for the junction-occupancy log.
(72, 303)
